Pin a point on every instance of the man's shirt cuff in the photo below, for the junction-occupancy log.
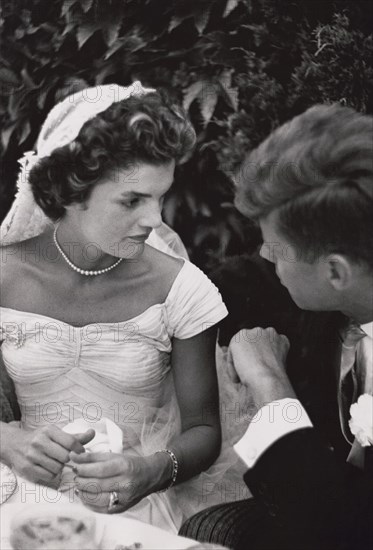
(271, 422)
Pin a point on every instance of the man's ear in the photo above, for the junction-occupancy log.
(339, 271)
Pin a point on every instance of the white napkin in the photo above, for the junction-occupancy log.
(108, 439)
(108, 436)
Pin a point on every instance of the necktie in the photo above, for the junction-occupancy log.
(347, 383)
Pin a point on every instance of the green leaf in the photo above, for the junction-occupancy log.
(7, 134)
(191, 201)
(67, 5)
(201, 19)
(205, 210)
(107, 69)
(69, 27)
(111, 32)
(192, 92)
(32, 30)
(15, 102)
(225, 237)
(232, 95)
(86, 5)
(231, 5)
(41, 98)
(19, 34)
(27, 79)
(176, 20)
(114, 48)
(49, 27)
(25, 132)
(208, 101)
(85, 31)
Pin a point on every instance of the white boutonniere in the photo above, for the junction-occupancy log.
(361, 423)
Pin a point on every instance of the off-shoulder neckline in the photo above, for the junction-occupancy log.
(161, 304)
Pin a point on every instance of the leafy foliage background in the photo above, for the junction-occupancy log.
(241, 67)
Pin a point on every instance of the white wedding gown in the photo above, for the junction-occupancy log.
(123, 371)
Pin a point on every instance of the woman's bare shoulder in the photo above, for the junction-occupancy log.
(19, 260)
(162, 271)
(30, 251)
(11, 258)
(164, 264)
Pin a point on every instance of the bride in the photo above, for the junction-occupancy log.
(103, 319)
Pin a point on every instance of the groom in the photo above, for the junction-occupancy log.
(310, 187)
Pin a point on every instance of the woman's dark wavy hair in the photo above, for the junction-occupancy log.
(316, 172)
(147, 129)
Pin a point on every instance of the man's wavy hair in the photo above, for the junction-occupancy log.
(147, 129)
(316, 172)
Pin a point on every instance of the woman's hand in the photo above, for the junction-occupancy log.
(40, 455)
(258, 356)
(98, 474)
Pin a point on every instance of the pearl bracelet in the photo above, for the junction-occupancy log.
(175, 468)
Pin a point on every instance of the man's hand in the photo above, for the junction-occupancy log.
(256, 350)
(258, 356)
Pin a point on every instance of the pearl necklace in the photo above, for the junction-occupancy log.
(77, 269)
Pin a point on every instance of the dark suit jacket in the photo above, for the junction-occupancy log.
(315, 499)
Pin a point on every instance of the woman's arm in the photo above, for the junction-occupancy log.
(196, 385)
(193, 363)
(196, 448)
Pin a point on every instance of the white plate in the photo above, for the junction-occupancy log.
(112, 530)
(125, 531)
(8, 482)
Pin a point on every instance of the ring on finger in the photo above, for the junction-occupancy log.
(113, 501)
